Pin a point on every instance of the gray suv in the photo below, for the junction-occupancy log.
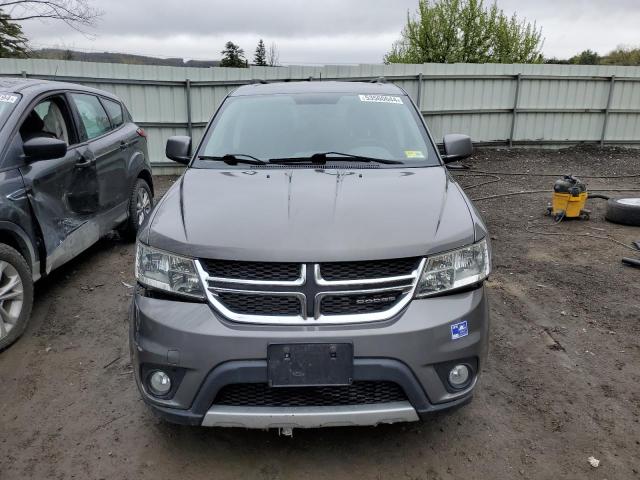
(73, 167)
(315, 265)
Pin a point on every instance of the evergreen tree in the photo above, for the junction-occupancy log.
(233, 56)
(260, 58)
(13, 43)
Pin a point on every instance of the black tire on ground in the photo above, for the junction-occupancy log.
(624, 210)
(12, 264)
(136, 200)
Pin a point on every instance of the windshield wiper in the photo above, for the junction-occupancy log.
(323, 157)
(234, 159)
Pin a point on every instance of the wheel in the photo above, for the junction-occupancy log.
(16, 295)
(623, 210)
(140, 205)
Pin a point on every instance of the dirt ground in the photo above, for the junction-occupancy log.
(561, 383)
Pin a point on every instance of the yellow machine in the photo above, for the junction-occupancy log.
(569, 199)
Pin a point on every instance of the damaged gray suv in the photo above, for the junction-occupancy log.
(315, 265)
(73, 167)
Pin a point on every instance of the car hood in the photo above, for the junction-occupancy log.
(311, 215)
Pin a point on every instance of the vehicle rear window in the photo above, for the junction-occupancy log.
(8, 102)
(114, 110)
(299, 125)
(93, 116)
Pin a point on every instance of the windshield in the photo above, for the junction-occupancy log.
(299, 125)
(8, 102)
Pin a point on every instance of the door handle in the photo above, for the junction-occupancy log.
(84, 161)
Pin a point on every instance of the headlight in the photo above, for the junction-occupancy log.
(166, 271)
(455, 269)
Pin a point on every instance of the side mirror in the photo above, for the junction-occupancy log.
(179, 149)
(456, 147)
(44, 148)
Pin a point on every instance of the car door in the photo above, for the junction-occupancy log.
(63, 192)
(126, 136)
(108, 149)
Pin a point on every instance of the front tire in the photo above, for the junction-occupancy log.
(16, 295)
(140, 205)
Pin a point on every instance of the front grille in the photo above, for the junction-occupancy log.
(261, 395)
(251, 304)
(331, 292)
(337, 271)
(264, 271)
(355, 304)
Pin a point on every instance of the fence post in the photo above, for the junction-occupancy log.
(612, 84)
(187, 86)
(419, 94)
(516, 100)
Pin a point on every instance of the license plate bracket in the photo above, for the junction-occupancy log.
(310, 364)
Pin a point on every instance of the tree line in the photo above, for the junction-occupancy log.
(80, 14)
(622, 55)
(233, 56)
(77, 14)
(439, 31)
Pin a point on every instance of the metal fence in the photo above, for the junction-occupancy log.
(496, 104)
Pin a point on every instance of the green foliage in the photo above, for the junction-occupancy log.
(260, 57)
(586, 57)
(233, 56)
(453, 31)
(556, 61)
(13, 43)
(622, 56)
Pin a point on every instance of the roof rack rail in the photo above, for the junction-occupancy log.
(378, 80)
(308, 79)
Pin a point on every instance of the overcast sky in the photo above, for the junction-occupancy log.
(327, 31)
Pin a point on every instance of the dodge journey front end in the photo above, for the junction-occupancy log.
(315, 265)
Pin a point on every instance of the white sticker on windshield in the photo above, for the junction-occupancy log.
(380, 99)
(8, 98)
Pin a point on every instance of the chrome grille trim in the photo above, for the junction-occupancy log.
(405, 283)
(317, 273)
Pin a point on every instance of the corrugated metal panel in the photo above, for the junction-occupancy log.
(555, 102)
(467, 94)
(481, 127)
(623, 126)
(559, 126)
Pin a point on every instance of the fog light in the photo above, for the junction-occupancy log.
(459, 376)
(159, 383)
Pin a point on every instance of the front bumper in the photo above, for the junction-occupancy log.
(309, 417)
(211, 352)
